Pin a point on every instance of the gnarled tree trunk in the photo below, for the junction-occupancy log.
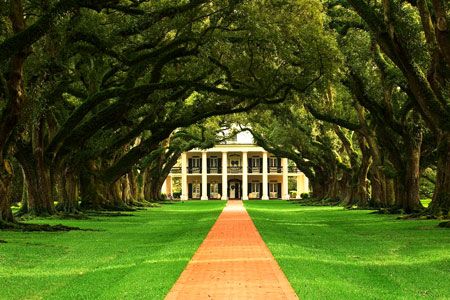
(441, 197)
(6, 215)
(90, 186)
(12, 111)
(152, 187)
(68, 190)
(37, 175)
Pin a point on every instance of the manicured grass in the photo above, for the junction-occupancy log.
(331, 253)
(127, 257)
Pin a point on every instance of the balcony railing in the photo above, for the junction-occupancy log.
(194, 170)
(275, 169)
(255, 169)
(234, 169)
(215, 170)
(176, 170)
(258, 170)
(293, 169)
(218, 170)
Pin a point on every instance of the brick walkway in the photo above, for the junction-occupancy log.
(233, 262)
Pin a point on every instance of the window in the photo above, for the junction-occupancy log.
(273, 162)
(256, 186)
(196, 162)
(214, 188)
(196, 188)
(232, 139)
(256, 162)
(274, 166)
(273, 187)
(273, 190)
(214, 162)
(235, 160)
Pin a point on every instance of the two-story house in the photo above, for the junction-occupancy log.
(236, 169)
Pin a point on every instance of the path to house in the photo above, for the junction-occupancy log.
(233, 262)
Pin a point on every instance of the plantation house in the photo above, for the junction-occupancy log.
(250, 173)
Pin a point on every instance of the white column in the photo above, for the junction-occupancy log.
(244, 176)
(170, 190)
(204, 177)
(305, 184)
(300, 182)
(285, 184)
(167, 186)
(184, 184)
(224, 176)
(164, 187)
(265, 180)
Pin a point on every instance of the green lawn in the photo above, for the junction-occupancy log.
(331, 253)
(128, 257)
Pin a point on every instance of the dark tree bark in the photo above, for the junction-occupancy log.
(441, 197)
(411, 199)
(6, 215)
(91, 197)
(68, 201)
(427, 92)
(361, 196)
(153, 186)
(134, 186)
(356, 181)
(13, 109)
(97, 194)
(37, 175)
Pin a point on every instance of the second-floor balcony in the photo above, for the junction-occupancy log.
(254, 169)
(176, 170)
(198, 170)
(234, 169)
(293, 169)
(194, 170)
(214, 170)
(275, 169)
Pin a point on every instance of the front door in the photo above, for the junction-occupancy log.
(235, 190)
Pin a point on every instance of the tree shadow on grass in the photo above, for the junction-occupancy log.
(26, 227)
(108, 214)
(445, 224)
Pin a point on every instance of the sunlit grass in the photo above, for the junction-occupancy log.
(127, 257)
(332, 253)
(425, 202)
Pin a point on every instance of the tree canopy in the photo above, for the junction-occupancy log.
(98, 100)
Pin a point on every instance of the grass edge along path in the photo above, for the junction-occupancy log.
(134, 257)
(332, 253)
(233, 262)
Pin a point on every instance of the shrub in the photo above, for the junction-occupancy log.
(304, 195)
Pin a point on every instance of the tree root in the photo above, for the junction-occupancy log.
(425, 214)
(145, 203)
